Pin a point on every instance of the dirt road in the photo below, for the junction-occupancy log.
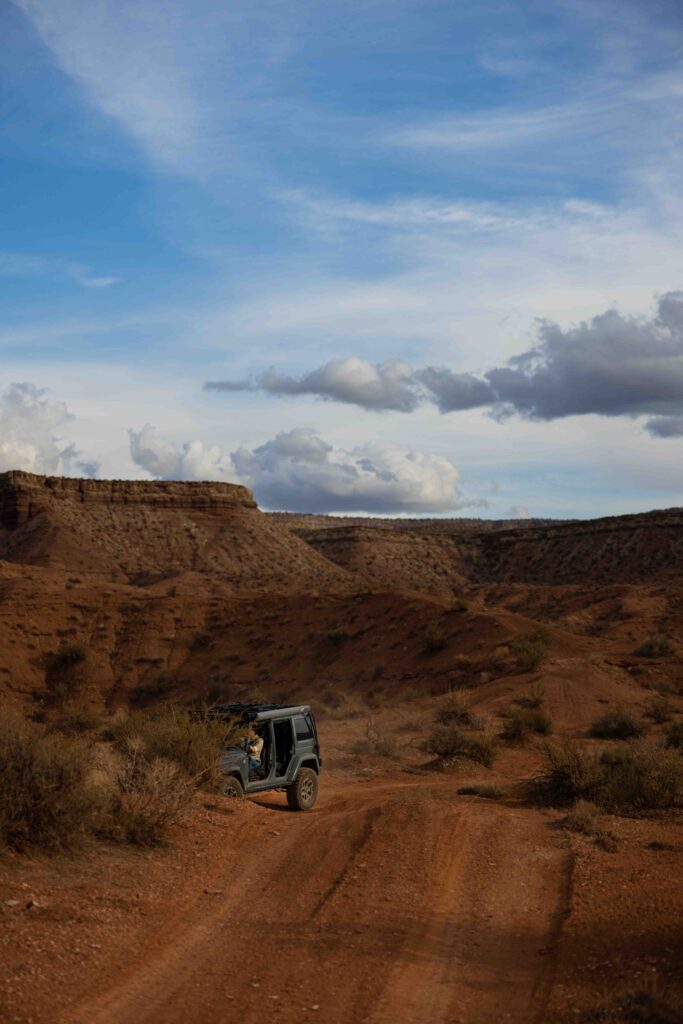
(393, 901)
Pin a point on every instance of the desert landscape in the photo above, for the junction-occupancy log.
(498, 832)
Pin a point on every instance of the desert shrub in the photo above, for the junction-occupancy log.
(65, 658)
(147, 797)
(627, 779)
(433, 639)
(660, 710)
(377, 741)
(571, 774)
(459, 603)
(522, 722)
(337, 637)
(674, 734)
(189, 740)
(649, 1003)
(656, 646)
(450, 741)
(484, 789)
(641, 778)
(534, 698)
(530, 650)
(47, 799)
(616, 725)
(76, 720)
(581, 818)
(455, 707)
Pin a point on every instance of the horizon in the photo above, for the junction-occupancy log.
(403, 260)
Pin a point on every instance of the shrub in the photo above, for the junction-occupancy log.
(337, 637)
(572, 774)
(434, 639)
(649, 1003)
(674, 734)
(656, 646)
(66, 657)
(522, 722)
(534, 698)
(581, 818)
(616, 725)
(47, 799)
(643, 778)
(484, 789)
(76, 719)
(530, 650)
(189, 740)
(455, 707)
(660, 710)
(148, 797)
(450, 741)
(627, 779)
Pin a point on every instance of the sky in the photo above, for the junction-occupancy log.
(418, 257)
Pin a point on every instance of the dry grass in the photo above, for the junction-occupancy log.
(616, 725)
(530, 650)
(660, 710)
(451, 742)
(521, 723)
(455, 707)
(146, 798)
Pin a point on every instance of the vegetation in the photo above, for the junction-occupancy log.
(191, 741)
(534, 698)
(657, 646)
(434, 639)
(660, 710)
(450, 741)
(630, 778)
(530, 650)
(455, 707)
(616, 725)
(523, 722)
(648, 1003)
(56, 789)
(484, 789)
(674, 735)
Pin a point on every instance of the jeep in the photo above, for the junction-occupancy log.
(288, 758)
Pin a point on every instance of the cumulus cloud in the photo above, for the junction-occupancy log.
(610, 365)
(168, 461)
(299, 470)
(30, 428)
(376, 386)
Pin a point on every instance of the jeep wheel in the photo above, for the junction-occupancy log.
(234, 788)
(302, 794)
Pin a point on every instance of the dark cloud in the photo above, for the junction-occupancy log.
(611, 365)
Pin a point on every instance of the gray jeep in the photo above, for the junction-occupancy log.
(290, 758)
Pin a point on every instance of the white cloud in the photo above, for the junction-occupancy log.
(169, 461)
(299, 470)
(30, 434)
(518, 512)
(14, 264)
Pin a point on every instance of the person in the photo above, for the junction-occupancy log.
(254, 750)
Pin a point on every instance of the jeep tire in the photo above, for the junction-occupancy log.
(303, 792)
(234, 788)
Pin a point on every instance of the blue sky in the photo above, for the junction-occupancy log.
(351, 220)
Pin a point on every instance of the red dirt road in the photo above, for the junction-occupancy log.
(393, 901)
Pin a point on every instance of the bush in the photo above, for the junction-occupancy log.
(434, 639)
(521, 723)
(674, 735)
(47, 798)
(76, 719)
(192, 741)
(530, 650)
(572, 774)
(657, 646)
(616, 725)
(148, 797)
(649, 1003)
(581, 818)
(455, 707)
(645, 778)
(484, 789)
(627, 779)
(534, 698)
(660, 710)
(66, 657)
(450, 741)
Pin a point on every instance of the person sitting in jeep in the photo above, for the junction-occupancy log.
(255, 750)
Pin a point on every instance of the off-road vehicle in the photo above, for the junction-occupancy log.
(290, 759)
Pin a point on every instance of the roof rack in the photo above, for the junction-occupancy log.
(247, 711)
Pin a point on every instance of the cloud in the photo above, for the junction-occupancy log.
(29, 434)
(610, 365)
(376, 386)
(168, 461)
(15, 264)
(518, 512)
(299, 470)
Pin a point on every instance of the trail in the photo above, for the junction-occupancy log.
(390, 902)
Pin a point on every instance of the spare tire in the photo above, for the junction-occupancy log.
(303, 792)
